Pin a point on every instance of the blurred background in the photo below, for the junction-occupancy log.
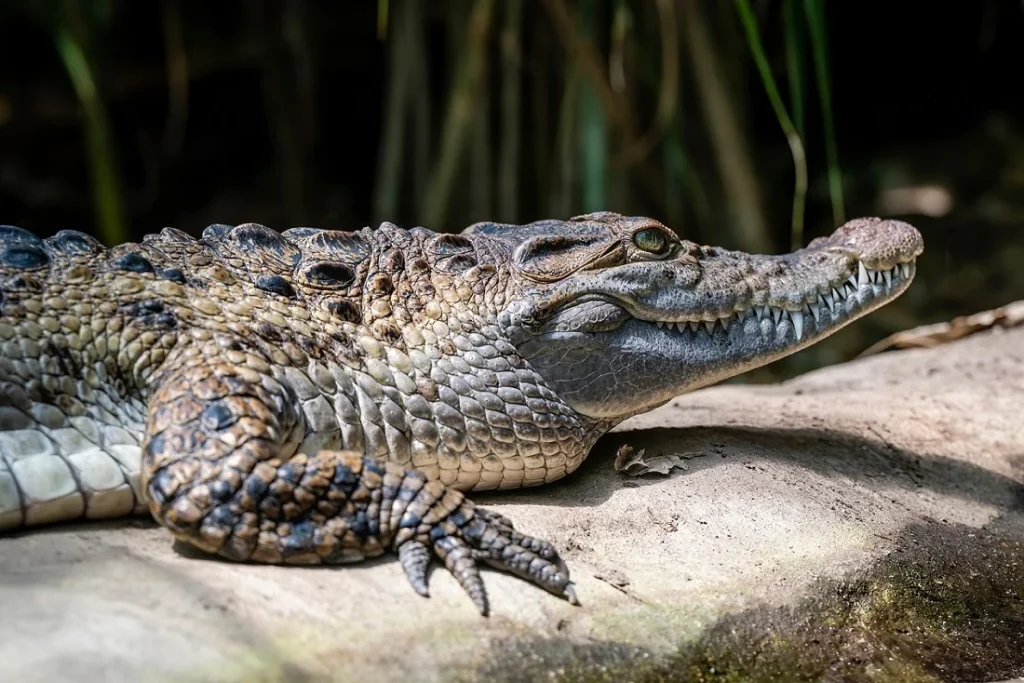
(750, 124)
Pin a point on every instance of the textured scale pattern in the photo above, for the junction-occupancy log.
(316, 396)
(239, 365)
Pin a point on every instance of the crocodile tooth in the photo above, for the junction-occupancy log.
(679, 326)
(709, 325)
(659, 323)
(725, 323)
(887, 276)
(798, 323)
(694, 326)
(815, 309)
(862, 275)
(905, 269)
(761, 311)
(853, 290)
(839, 294)
(777, 313)
(830, 299)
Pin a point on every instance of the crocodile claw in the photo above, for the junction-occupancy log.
(473, 535)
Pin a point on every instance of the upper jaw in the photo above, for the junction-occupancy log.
(863, 264)
(819, 308)
(802, 295)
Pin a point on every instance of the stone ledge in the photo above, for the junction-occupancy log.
(871, 509)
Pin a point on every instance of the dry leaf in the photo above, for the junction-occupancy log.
(927, 336)
(637, 463)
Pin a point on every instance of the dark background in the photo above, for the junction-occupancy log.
(119, 117)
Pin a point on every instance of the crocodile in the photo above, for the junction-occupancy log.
(321, 397)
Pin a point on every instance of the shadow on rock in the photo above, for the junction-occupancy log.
(874, 463)
(947, 605)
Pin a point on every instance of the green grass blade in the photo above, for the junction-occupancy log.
(749, 22)
(106, 185)
(816, 24)
(383, 14)
(793, 36)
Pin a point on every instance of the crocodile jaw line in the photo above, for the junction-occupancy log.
(833, 306)
(757, 335)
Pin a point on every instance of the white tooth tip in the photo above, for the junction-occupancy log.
(798, 324)
(862, 275)
(887, 276)
(709, 326)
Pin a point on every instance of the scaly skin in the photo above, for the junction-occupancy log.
(322, 397)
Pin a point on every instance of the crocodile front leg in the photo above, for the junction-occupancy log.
(218, 475)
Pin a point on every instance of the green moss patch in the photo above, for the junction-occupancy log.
(947, 605)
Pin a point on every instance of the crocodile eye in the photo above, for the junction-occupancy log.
(653, 241)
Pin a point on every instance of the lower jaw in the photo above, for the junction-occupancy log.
(755, 341)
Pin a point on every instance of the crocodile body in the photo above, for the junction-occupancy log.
(320, 397)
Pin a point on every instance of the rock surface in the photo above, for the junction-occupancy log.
(862, 522)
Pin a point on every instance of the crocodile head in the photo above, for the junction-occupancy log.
(619, 315)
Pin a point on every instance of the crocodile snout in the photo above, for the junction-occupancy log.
(879, 243)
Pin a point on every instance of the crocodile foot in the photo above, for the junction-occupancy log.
(470, 535)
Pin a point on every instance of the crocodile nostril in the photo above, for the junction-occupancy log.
(669, 274)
